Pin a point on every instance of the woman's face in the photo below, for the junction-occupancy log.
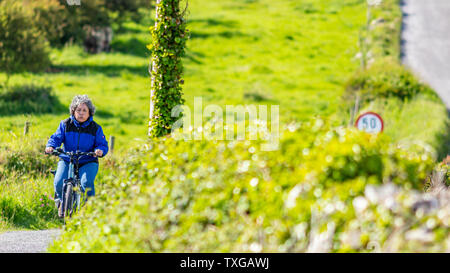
(82, 113)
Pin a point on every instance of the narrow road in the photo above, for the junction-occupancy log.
(426, 42)
(27, 241)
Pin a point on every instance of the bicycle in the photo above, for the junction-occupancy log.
(71, 197)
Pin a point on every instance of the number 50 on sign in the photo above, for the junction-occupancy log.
(370, 122)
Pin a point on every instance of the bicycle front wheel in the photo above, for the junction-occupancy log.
(68, 200)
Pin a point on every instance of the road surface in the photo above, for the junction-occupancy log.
(426, 43)
(27, 241)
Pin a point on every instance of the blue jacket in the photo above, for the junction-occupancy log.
(84, 137)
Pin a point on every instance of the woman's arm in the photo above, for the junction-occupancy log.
(100, 141)
(57, 138)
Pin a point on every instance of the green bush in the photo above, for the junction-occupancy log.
(230, 196)
(50, 18)
(28, 99)
(29, 162)
(94, 13)
(24, 156)
(70, 26)
(22, 45)
(121, 10)
(386, 79)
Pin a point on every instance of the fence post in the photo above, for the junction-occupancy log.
(26, 128)
(111, 143)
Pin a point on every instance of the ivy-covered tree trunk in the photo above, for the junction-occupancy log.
(169, 37)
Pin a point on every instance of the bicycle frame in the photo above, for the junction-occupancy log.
(73, 178)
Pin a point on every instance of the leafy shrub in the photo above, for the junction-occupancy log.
(127, 9)
(62, 23)
(50, 17)
(24, 156)
(22, 45)
(28, 162)
(386, 79)
(73, 20)
(27, 99)
(94, 13)
(200, 196)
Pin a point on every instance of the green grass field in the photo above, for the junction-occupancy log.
(293, 54)
(296, 55)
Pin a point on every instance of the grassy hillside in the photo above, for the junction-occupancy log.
(26, 189)
(296, 55)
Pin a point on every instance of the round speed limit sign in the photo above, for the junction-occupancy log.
(370, 122)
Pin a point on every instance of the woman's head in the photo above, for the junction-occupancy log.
(82, 108)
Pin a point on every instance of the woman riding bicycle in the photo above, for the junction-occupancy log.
(79, 132)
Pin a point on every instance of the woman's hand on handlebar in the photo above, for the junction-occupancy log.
(49, 150)
(98, 152)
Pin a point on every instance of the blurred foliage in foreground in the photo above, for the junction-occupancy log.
(325, 190)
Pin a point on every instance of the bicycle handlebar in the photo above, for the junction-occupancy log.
(59, 151)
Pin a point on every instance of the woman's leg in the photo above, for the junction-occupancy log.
(62, 172)
(87, 176)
